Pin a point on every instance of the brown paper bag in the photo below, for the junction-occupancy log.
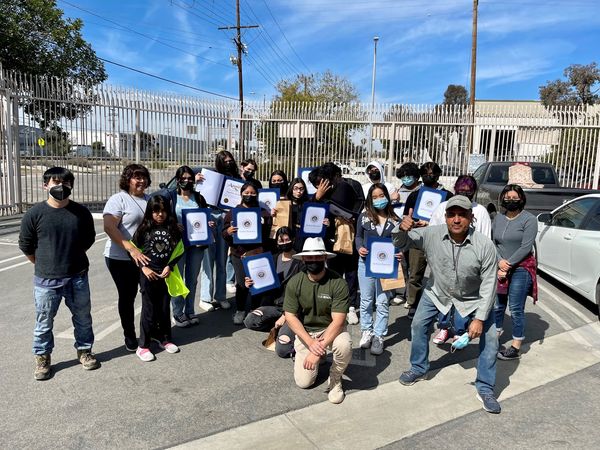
(344, 236)
(283, 216)
(387, 284)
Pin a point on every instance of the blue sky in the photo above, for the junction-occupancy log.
(423, 46)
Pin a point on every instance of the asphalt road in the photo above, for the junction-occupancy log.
(223, 378)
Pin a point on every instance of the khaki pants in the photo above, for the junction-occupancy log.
(341, 347)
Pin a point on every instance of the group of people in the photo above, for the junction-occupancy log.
(478, 267)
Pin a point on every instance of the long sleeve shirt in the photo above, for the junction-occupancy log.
(514, 238)
(463, 275)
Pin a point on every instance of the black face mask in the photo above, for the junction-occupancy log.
(248, 174)
(429, 180)
(374, 176)
(315, 267)
(230, 166)
(250, 200)
(512, 205)
(283, 187)
(186, 185)
(285, 247)
(60, 192)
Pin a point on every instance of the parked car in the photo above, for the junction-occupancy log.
(493, 176)
(568, 245)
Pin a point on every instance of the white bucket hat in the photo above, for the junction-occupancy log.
(314, 247)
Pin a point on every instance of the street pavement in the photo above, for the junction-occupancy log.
(223, 390)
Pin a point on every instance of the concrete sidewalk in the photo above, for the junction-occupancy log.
(386, 410)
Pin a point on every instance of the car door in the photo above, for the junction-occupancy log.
(554, 243)
(585, 253)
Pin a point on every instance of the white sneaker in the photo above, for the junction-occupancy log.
(336, 392)
(238, 317)
(365, 339)
(206, 306)
(407, 306)
(377, 345)
(224, 304)
(144, 354)
(352, 318)
(230, 287)
(398, 300)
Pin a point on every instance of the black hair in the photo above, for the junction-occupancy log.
(331, 170)
(370, 209)
(223, 168)
(131, 171)
(247, 162)
(516, 188)
(59, 174)
(248, 184)
(158, 203)
(409, 169)
(179, 172)
(283, 188)
(315, 176)
(430, 165)
(290, 192)
(284, 230)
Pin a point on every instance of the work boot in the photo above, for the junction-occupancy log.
(42, 367)
(87, 359)
(336, 392)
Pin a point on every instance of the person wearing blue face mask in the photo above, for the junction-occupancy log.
(408, 173)
(377, 220)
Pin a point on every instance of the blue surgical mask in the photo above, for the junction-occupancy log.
(380, 203)
(461, 342)
(408, 181)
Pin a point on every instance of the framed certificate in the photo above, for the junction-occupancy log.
(248, 223)
(261, 268)
(230, 193)
(211, 187)
(313, 215)
(303, 173)
(267, 198)
(380, 261)
(427, 201)
(195, 226)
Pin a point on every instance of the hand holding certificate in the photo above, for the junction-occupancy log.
(195, 225)
(248, 224)
(313, 215)
(303, 173)
(261, 270)
(427, 201)
(211, 185)
(267, 198)
(381, 260)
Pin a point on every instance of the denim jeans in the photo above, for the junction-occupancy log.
(47, 300)
(419, 352)
(453, 320)
(230, 271)
(520, 283)
(189, 267)
(370, 294)
(214, 263)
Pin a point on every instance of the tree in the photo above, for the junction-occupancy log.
(455, 95)
(319, 87)
(583, 81)
(35, 39)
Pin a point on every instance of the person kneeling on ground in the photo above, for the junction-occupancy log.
(316, 303)
(463, 275)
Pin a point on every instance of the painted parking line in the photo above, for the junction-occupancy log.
(12, 259)
(564, 325)
(14, 266)
(564, 303)
(69, 332)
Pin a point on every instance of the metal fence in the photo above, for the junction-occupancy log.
(96, 130)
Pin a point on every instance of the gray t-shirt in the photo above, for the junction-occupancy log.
(130, 210)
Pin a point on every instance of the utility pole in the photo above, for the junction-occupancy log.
(238, 61)
(473, 73)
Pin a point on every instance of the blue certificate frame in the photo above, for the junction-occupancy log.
(303, 173)
(432, 199)
(262, 204)
(249, 221)
(232, 199)
(381, 254)
(310, 219)
(195, 226)
(261, 268)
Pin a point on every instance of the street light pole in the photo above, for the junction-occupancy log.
(370, 147)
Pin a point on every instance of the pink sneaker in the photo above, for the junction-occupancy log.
(144, 354)
(169, 347)
(441, 337)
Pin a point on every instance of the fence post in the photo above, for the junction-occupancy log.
(297, 149)
(138, 134)
(392, 153)
(15, 164)
(229, 137)
(596, 177)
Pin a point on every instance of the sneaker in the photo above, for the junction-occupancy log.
(398, 300)
(409, 378)
(335, 392)
(407, 305)
(144, 354)
(42, 367)
(167, 346)
(377, 345)
(238, 317)
(230, 288)
(206, 306)
(411, 313)
(181, 321)
(131, 344)
(365, 339)
(508, 354)
(193, 319)
(352, 318)
(224, 304)
(490, 404)
(441, 336)
(87, 359)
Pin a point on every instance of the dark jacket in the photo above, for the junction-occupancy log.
(240, 249)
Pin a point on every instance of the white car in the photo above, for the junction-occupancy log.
(568, 245)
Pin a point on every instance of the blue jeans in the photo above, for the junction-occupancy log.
(214, 263)
(47, 300)
(419, 353)
(371, 293)
(453, 320)
(520, 283)
(230, 271)
(189, 267)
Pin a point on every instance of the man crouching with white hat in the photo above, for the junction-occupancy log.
(316, 303)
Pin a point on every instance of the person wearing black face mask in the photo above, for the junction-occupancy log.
(248, 169)
(279, 180)
(243, 300)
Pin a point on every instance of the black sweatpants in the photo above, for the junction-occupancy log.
(155, 321)
(126, 276)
